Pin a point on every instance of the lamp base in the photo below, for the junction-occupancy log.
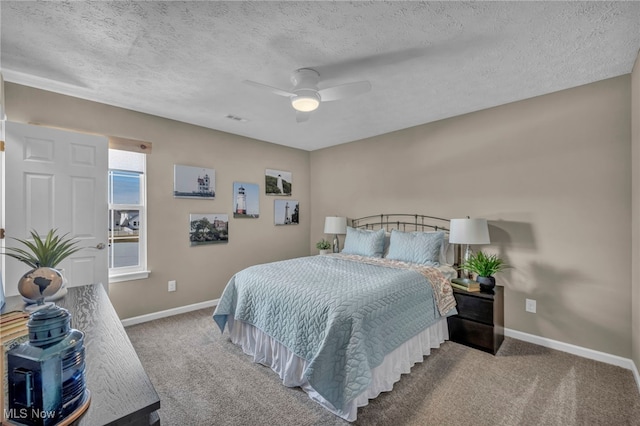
(467, 255)
(336, 244)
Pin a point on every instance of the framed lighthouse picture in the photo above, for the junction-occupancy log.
(246, 200)
(208, 228)
(277, 182)
(194, 182)
(286, 212)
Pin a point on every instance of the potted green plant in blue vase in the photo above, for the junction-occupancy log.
(485, 266)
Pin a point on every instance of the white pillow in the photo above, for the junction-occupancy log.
(448, 253)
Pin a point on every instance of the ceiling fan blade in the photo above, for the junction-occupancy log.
(301, 117)
(344, 90)
(269, 88)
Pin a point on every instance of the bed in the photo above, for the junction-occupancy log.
(345, 326)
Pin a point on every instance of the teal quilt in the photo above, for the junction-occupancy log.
(341, 313)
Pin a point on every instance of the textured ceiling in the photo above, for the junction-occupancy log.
(425, 60)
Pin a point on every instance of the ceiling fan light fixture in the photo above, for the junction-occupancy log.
(305, 103)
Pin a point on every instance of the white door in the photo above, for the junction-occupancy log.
(57, 179)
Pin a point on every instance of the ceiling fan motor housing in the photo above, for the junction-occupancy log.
(305, 78)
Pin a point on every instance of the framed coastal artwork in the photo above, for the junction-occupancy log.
(246, 200)
(194, 182)
(208, 228)
(286, 212)
(277, 182)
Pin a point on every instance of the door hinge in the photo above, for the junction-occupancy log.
(1, 233)
(1, 146)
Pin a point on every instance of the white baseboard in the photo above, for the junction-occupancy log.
(636, 375)
(169, 312)
(576, 350)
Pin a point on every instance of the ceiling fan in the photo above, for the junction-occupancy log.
(305, 95)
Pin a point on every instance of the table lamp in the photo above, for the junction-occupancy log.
(335, 225)
(468, 231)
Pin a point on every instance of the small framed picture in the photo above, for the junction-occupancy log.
(194, 182)
(286, 212)
(246, 200)
(277, 182)
(208, 228)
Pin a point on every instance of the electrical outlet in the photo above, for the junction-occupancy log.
(530, 306)
(172, 285)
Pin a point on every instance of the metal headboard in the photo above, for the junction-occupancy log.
(402, 222)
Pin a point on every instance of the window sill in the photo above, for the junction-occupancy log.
(129, 276)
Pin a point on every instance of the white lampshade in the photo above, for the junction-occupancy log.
(335, 225)
(469, 231)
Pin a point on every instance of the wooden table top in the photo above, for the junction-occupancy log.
(121, 392)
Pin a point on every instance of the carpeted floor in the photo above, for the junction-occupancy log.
(203, 379)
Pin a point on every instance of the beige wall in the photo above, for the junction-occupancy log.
(553, 176)
(635, 150)
(201, 272)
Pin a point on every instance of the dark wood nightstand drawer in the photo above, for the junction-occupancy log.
(480, 320)
(474, 308)
(474, 334)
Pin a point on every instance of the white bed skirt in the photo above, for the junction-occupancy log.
(268, 351)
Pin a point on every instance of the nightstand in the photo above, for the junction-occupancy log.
(480, 320)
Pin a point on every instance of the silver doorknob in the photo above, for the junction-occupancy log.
(100, 246)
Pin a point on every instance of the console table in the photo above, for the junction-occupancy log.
(121, 392)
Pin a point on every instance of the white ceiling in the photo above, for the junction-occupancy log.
(425, 60)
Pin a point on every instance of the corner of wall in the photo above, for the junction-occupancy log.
(635, 215)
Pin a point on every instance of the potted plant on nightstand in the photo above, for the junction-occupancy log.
(324, 246)
(485, 266)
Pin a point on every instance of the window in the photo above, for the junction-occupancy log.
(127, 216)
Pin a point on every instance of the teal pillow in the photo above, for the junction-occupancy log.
(416, 247)
(364, 242)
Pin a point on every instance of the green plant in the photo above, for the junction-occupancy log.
(44, 253)
(484, 265)
(323, 245)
